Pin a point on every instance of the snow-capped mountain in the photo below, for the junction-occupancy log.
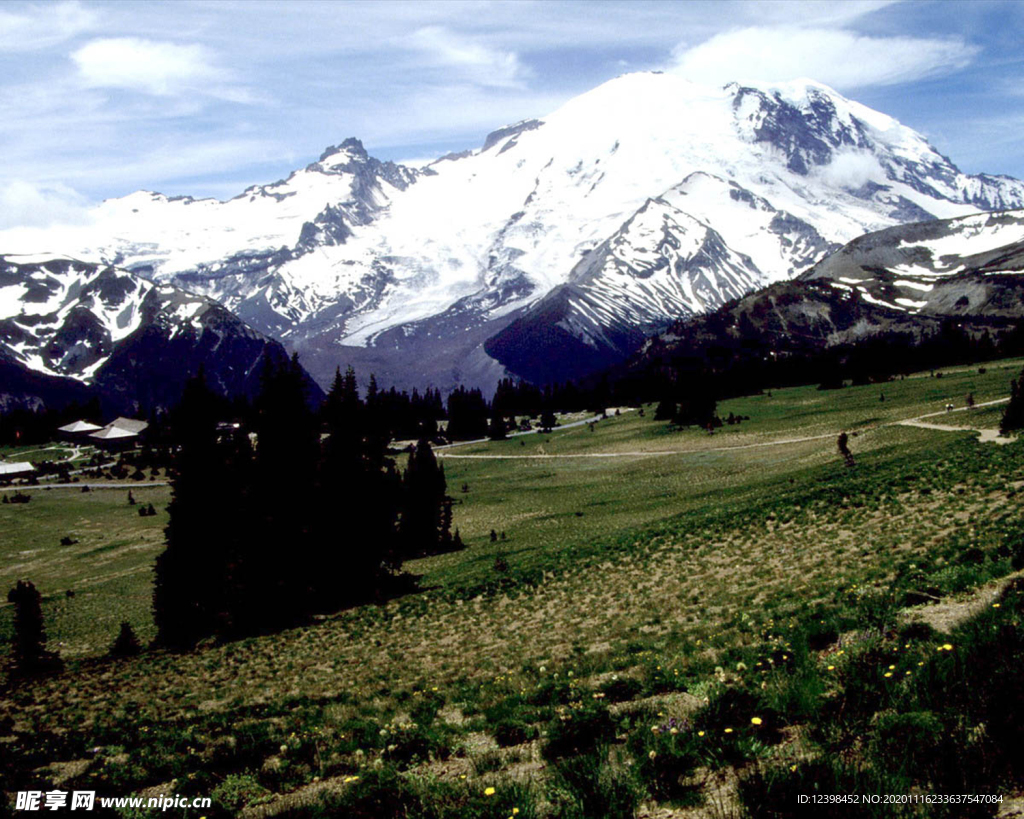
(954, 267)
(910, 281)
(92, 326)
(646, 199)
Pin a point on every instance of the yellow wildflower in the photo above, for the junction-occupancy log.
(488, 791)
(755, 720)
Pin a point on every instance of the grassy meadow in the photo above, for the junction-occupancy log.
(674, 625)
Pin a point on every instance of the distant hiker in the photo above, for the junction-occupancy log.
(843, 444)
(969, 400)
(949, 407)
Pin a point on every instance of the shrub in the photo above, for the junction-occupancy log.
(622, 689)
(238, 791)
(126, 644)
(907, 742)
(579, 730)
(425, 708)
(666, 756)
(588, 786)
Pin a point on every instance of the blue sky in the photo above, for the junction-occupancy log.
(205, 97)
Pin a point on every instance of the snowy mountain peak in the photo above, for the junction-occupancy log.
(351, 148)
(644, 199)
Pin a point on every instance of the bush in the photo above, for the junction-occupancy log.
(622, 689)
(381, 794)
(666, 756)
(238, 791)
(511, 732)
(424, 710)
(907, 742)
(588, 786)
(126, 644)
(579, 730)
(409, 743)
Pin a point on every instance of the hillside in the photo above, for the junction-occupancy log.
(71, 329)
(747, 589)
(899, 286)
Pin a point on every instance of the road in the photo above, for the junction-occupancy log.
(130, 485)
(560, 427)
(986, 436)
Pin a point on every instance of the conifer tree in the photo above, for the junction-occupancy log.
(30, 654)
(358, 493)
(843, 445)
(666, 410)
(1013, 415)
(497, 430)
(425, 525)
(467, 415)
(126, 644)
(273, 590)
(191, 573)
(548, 421)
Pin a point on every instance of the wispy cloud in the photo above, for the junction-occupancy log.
(838, 57)
(30, 204)
(108, 97)
(44, 25)
(475, 62)
(159, 68)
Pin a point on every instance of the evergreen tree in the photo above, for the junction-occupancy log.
(497, 430)
(666, 410)
(191, 580)
(357, 504)
(1013, 415)
(272, 589)
(548, 421)
(425, 525)
(126, 644)
(467, 415)
(30, 654)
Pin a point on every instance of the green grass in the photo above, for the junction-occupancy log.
(697, 591)
(538, 503)
(108, 569)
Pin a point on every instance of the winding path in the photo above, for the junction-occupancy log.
(987, 435)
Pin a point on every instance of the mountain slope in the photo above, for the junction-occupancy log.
(957, 267)
(70, 328)
(578, 228)
(907, 281)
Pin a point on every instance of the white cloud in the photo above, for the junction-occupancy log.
(851, 169)
(159, 68)
(840, 58)
(43, 26)
(29, 204)
(477, 63)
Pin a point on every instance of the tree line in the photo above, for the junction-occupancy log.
(307, 514)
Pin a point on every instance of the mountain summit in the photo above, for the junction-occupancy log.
(557, 246)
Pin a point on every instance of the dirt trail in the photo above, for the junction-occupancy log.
(946, 615)
(987, 435)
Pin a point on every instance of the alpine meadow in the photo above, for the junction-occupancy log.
(660, 456)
